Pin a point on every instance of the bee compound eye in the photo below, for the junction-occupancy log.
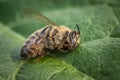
(72, 36)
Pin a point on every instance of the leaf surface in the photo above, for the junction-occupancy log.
(97, 56)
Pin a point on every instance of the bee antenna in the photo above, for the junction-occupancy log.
(78, 28)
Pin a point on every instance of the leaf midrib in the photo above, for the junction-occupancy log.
(18, 67)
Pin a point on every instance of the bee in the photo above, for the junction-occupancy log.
(51, 37)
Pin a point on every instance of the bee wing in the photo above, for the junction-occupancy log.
(39, 17)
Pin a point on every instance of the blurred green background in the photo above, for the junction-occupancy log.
(98, 56)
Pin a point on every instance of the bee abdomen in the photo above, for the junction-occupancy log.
(37, 36)
(24, 50)
(54, 32)
(30, 41)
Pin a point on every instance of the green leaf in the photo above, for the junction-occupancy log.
(98, 53)
(12, 67)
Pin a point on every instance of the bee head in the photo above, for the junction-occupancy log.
(29, 52)
(75, 37)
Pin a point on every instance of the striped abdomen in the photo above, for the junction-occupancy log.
(34, 45)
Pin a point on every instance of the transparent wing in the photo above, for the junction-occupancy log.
(39, 17)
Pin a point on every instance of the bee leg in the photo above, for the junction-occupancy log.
(51, 39)
(47, 36)
(37, 59)
(41, 55)
(63, 42)
(54, 32)
(65, 36)
(49, 43)
(65, 47)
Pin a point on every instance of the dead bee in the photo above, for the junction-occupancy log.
(51, 37)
